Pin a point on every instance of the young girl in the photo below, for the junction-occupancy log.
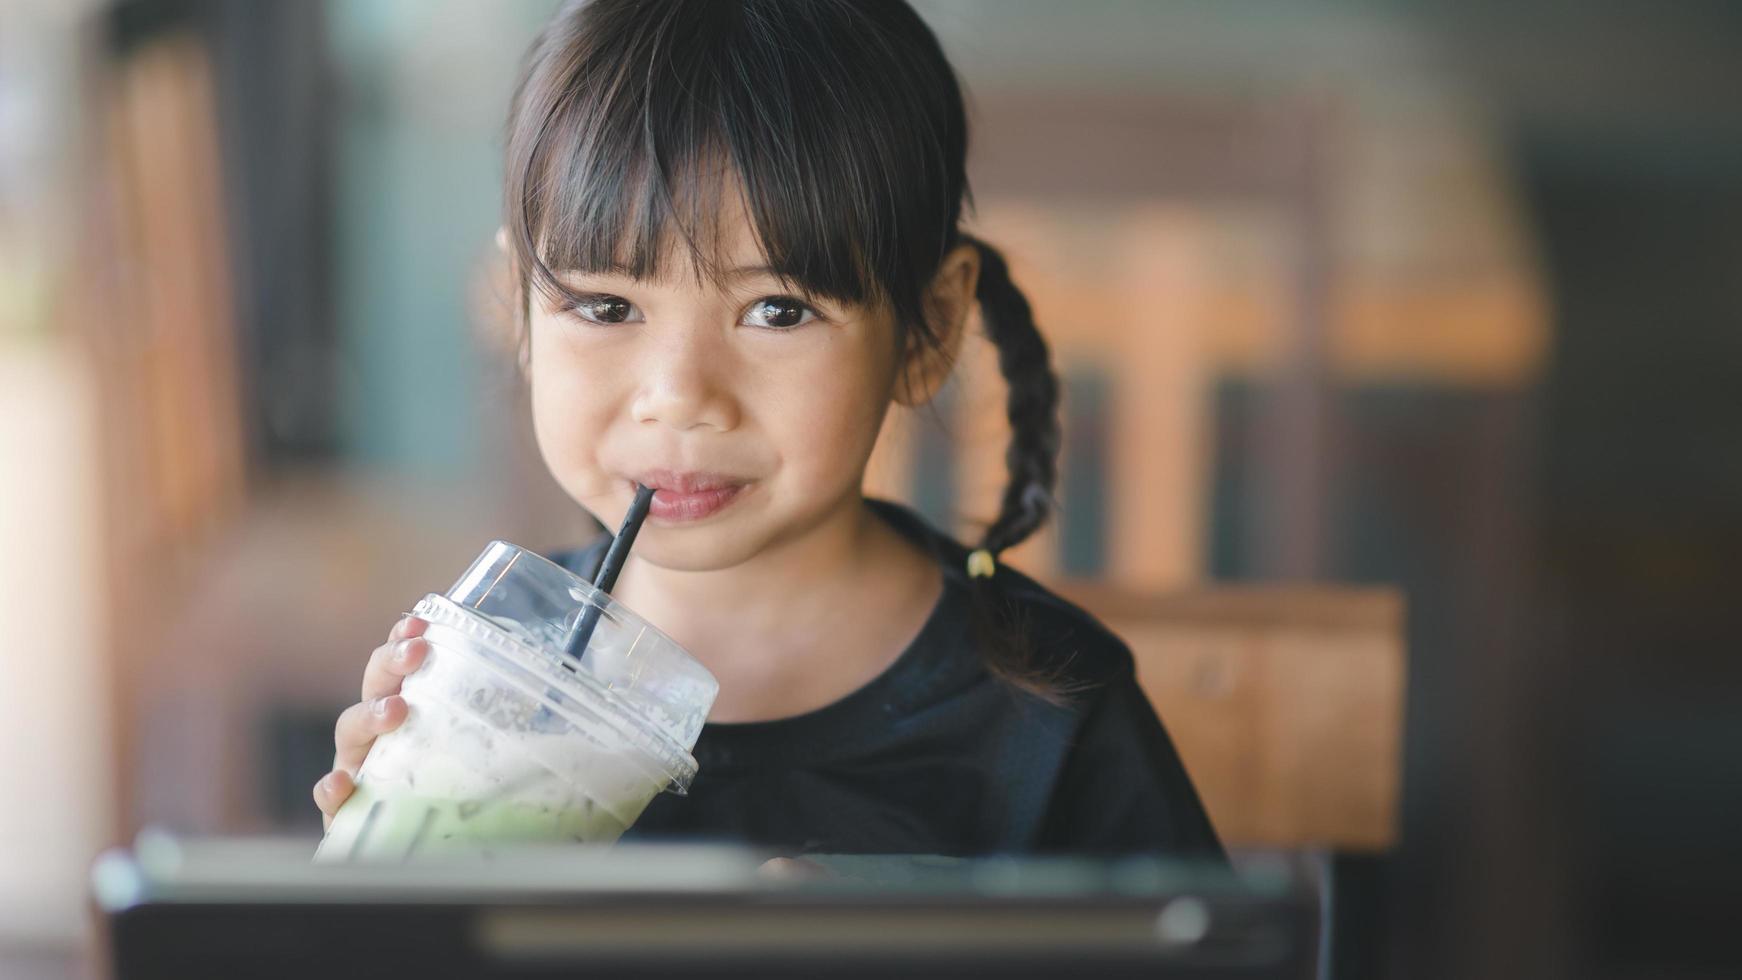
(734, 225)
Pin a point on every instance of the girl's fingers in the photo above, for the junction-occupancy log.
(407, 626)
(381, 710)
(389, 664)
(360, 724)
(331, 792)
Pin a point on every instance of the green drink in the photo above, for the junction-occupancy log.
(373, 826)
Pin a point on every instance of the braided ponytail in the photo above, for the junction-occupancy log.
(1032, 462)
(1032, 406)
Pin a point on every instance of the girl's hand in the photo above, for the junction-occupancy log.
(381, 710)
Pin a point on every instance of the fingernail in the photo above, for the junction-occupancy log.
(379, 707)
(402, 654)
(327, 785)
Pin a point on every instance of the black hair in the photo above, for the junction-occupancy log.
(842, 124)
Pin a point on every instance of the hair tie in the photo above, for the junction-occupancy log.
(981, 564)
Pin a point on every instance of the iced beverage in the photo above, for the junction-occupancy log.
(508, 739)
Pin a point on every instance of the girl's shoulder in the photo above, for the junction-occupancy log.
(1067, 640)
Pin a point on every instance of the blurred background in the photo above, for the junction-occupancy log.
(1402, 350)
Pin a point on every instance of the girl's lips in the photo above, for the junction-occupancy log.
(677, 507)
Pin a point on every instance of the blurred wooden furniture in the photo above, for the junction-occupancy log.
(1286, 704)
(158, 328)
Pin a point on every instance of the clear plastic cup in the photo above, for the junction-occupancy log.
(508, 739)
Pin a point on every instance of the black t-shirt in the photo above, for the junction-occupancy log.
(937, 756)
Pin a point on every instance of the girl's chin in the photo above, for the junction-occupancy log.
(707, 546)
(688, 558)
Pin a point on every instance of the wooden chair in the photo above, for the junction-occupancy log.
(1285, 703)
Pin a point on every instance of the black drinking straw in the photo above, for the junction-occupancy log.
(608, 569)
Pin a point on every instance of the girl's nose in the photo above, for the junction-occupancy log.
(683, 384)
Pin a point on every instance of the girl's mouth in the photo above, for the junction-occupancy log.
(682, 498)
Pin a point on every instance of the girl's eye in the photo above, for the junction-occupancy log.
(779, 313)
(605, 309)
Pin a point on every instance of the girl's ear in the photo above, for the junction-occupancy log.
(948, 300)
(502, 239)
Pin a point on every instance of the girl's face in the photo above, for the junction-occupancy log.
(751, 410)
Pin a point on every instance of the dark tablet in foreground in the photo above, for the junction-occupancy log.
(258, 908)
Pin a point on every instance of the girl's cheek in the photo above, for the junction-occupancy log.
(565, 370)
(570, 416)
(827, 431)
